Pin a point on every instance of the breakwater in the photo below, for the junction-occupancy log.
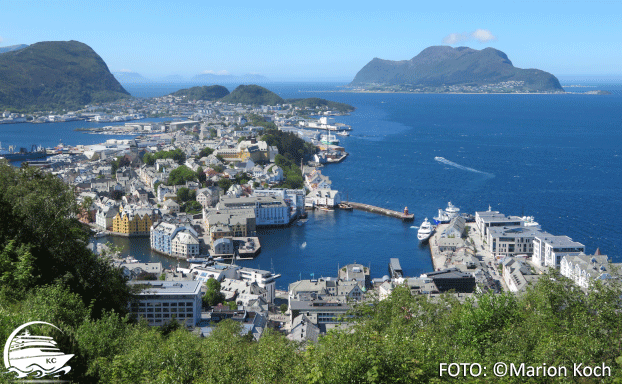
(404, 216)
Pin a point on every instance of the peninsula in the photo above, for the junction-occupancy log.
(444, 69)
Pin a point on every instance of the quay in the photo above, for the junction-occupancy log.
(404, 216)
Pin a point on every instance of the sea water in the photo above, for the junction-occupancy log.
(555, 157)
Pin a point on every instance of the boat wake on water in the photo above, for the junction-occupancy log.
(456, 165)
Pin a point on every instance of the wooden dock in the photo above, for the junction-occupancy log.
(383, 211)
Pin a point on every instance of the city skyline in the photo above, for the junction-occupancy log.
(322, 42)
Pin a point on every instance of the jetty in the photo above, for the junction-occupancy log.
(404, 216)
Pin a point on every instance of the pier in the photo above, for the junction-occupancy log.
(404, 216)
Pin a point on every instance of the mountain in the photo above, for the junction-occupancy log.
(54, 75)
(208, 78)
(252, 95)
(442, 66)
(130, 77)
(12, 48)
(205, 92)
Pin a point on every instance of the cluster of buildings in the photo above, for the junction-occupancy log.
(524, 249)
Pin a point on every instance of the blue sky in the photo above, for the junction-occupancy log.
(319, 40)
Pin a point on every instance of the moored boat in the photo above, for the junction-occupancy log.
(425, 230)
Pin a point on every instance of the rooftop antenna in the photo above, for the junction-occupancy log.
(271, 267)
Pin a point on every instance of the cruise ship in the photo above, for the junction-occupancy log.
(425, 231)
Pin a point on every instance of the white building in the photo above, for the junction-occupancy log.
(490, 219)
(325, 197)
(104, 217)
(268, 210)
(185, 244)
(549, 250)
(162, 301)
(584, 269)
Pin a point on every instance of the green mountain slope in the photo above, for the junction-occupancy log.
(252, 95)
(205, 92)
(56, 74)
(441, 66)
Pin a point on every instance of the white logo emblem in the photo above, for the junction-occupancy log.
(25, 354)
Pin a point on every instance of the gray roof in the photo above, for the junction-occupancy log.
(168, 287)
(303, 329)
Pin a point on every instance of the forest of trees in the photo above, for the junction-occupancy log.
(48, 274)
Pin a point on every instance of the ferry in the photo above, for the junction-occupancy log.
(441, 218)
(425, 231)
(36, 152)
(329, 139)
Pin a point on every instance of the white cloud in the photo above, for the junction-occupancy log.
(125, 70)
(455, 38)
(0, 39)
(481, 35)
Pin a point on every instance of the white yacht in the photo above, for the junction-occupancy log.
(452, 211)
(425, 230)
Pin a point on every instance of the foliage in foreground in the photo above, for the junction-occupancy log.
(402, 339)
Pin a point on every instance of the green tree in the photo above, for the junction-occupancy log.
(201, 177)
(181, 175)
(42, 242)
(183, 194)
(283, 308)
(213, 296)
(225, 184)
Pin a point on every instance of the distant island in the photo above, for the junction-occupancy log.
(256, 95)
(130, 77)
(315, 102)
(11, 48)
(445, 69)
(54, 75)
(207, 93)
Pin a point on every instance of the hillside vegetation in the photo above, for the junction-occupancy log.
(207, 93)
(252, 95)
(54, 75)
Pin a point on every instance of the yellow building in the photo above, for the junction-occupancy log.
(134, 222)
